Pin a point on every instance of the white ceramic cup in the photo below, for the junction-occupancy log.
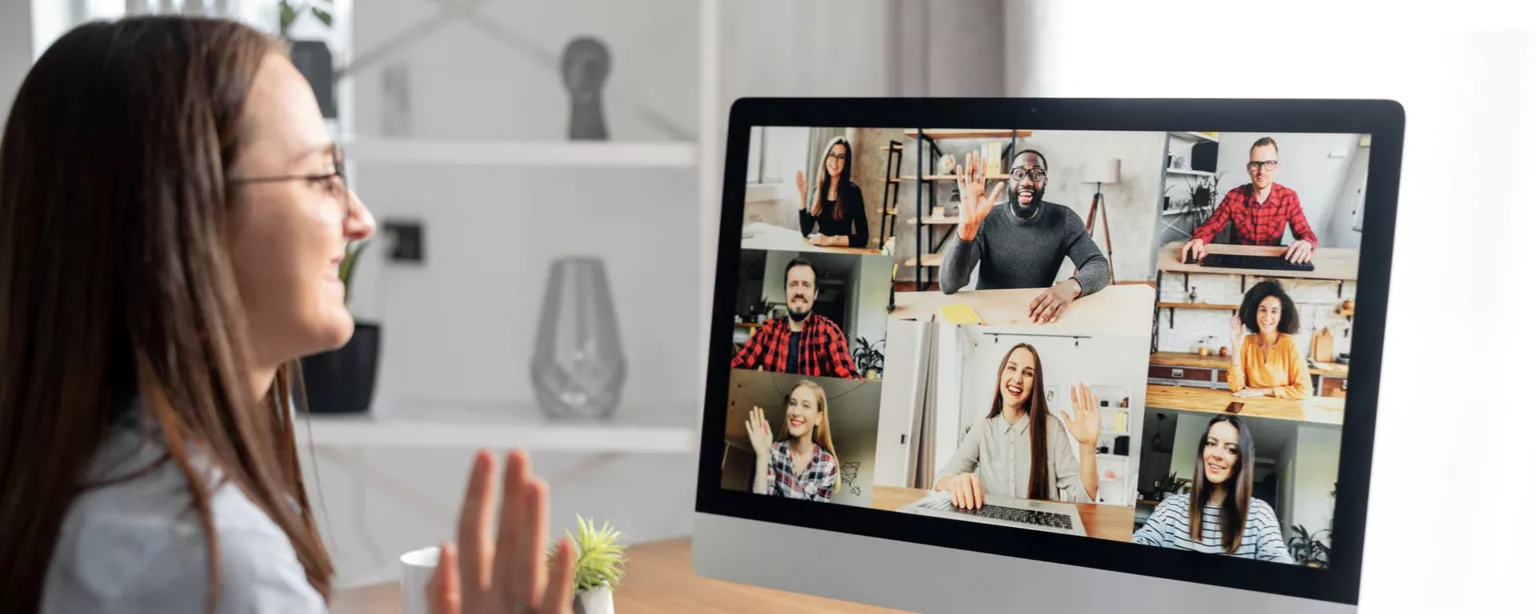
(416, 569)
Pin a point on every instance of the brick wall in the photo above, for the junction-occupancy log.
(1316, 303)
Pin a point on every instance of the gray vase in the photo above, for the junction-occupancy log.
(578, 360)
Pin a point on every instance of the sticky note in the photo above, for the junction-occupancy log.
(960, 313)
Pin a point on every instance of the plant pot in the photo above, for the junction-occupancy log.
(341, 381)
(593, 601)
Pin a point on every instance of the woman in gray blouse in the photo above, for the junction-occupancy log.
(1019, 450)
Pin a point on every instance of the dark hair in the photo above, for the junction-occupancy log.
(1039, 414)
(800, 262)
(1234, 509)
(115, 213)
(844, 179)
(1265, 142)
(1249, 311)
(1044, 164)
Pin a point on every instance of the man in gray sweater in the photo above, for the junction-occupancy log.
(1021, 243)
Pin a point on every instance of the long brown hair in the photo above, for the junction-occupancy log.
(844, 180)
(116, 283)
(1037, 411)
(821, 434)
(1234, 509)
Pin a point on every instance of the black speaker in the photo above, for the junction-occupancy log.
(1122, 445)
(313, 59)
(1203, 157)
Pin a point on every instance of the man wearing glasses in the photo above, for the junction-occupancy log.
(1022, 242)
(1258, 211)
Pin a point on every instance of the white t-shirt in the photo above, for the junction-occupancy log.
(138, 546)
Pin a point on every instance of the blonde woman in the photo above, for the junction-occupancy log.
(802, 464)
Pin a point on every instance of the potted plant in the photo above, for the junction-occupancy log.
(311, 57)
(341, 380)
(1202, 199)
(1309, 548)
(869, 359)
(599, 566)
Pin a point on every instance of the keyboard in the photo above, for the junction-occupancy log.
(1243, 261)
(1034, 518)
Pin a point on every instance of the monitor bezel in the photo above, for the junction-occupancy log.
(1383, 120)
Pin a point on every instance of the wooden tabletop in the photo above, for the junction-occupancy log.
(658, 579)
(1113, 522)
(1115, 310)
(1322, 410)
(1185, 359)
(762, 235)
(1327, 262)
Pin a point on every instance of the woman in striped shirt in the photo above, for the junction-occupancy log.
(1220, 514)
(802, 464)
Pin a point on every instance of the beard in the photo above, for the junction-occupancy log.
(1025, 210)
(800, 316)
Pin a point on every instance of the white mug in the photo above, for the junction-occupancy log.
(416, 569)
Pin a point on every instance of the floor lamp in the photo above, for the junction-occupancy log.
(1100, 172)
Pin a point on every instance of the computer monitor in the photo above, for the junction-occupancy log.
(1055, 355)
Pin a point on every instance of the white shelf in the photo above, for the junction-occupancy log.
(1185, 171)
(1193, 136)
(1174, 212)
(491, 426)
(487, 152)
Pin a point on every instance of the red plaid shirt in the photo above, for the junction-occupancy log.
(823, 350)
(815, 483)
(1258, 224)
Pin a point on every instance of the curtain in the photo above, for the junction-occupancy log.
(925, 408)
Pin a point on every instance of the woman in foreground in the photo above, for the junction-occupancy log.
(172, 215)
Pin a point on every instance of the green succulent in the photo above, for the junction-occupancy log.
(599, 557)
(348, 264)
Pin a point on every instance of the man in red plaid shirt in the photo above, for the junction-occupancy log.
(803, 343)
(1258, 211)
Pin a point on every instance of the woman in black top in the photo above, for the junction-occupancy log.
(838, 204)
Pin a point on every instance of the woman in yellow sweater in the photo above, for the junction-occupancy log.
(1267, 363)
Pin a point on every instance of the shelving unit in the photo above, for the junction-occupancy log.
(928, 258)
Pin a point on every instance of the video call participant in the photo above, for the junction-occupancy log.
(804, 342)
(1258, 211)
(1019, 450)
(802, 464)
(837, 210)
(1021, 243)
(1268, 363)
(1219, 515)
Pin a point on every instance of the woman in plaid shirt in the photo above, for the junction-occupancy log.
(802, 464)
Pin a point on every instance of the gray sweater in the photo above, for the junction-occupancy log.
(1018, 254)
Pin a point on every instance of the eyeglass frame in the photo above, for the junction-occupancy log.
(1267, 165)
(1036, 175)
(338, 165)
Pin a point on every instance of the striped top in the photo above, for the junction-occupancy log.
(1169, 528)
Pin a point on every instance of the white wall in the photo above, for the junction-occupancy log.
(15, 51)
(898, 399)
(1317, 166)
(872, 294)
(1317, 469)
(1188, 439)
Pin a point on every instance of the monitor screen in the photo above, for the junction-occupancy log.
(1069, 344)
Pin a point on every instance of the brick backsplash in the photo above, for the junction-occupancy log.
(1316, 302)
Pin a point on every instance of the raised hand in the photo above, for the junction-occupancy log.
(1085, 427)
(975, 204)
(1237, 332)
(800, 183)
(759, 432)
(505, 572)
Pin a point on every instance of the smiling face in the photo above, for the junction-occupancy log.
(803, 415)
(1026, 184)
(837, 160)
(289, 236)
(800, 291)
(1268, 314)
(1263, 161)
(1219, 456)
(1017, 381)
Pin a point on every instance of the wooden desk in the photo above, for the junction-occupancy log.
(1332, 263)
(659, 580)
(1115, 310)
(1112, 522)
(762, 235)
(1184, 359)
(1322, 410)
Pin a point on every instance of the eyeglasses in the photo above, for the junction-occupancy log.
(1268, 165)
(837, 156)
(1033, 174)
(334, 182)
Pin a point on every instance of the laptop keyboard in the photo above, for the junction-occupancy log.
(1245, 261)
(1007, 514)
